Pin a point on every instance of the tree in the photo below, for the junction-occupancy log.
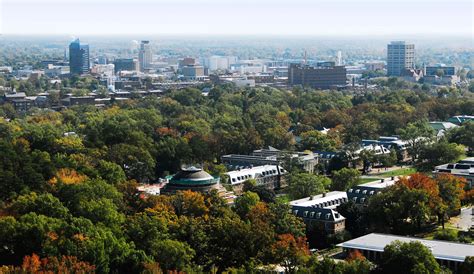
(45, 204)
(244, 203)
(462, 135)
(290, 252)
(416, 134)
(189, 203)
(467, 267)
(451, 191)
(345, 178)
(314, 140)
(303, 185)
(356, 218)
(411, 257)
(439, 153)
(172, 254)
(399, 209)
(264, 193)
(63, 264)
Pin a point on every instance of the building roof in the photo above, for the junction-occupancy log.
(464, 167)
(442, 250)
(15, 95)
(442, 125)
(192, 174)
(320, 199)
(239, 176)
(461, 119)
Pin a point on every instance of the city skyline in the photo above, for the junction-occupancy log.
(231, 17)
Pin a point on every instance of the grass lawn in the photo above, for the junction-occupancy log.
(398, 172)
(285, 198)
(368, 180)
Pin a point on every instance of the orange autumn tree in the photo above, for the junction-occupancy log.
(35, 264)
(290, 252)
(422, 182)
(355, 255)
(68, 176)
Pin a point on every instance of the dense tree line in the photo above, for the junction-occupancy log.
(68, 179)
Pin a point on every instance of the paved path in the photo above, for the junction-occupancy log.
(465, 220)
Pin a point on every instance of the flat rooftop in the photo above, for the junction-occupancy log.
(310, 201)
(442, 250)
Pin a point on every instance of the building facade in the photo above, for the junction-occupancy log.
(324, 76)
(400, 56)
(145, 56)
(270, 176)
(79, 60)
(126, 64)
(193, 72)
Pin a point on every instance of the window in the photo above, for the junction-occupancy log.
(364, 192)
(362, 200)
(350, 190)
(357, 191)
(354, 199)
(233, 180)
(305, 214)
(311, 215)
(318, 215)
(295, 212)
(328, 216)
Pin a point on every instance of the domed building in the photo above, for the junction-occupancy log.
(195, 179)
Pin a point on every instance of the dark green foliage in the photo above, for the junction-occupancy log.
(411, 257)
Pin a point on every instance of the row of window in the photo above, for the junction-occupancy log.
(362, 200)
(372, 192)
(312, 215)
(249, 176)
(331, 203)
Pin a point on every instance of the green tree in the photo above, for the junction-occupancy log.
(416, 134)
(172, 254)
(345, 178)
(411, 257)
(302, 185)
(45, 204)
(314, 140)
(244, 203)
(434, 154)
(463, 135)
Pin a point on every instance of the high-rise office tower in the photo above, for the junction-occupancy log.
(145, 56)
(79, 62)
(400, 56)
(339, 58)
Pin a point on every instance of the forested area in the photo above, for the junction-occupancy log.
(68, 179)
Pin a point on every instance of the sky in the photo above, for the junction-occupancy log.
(237, 17)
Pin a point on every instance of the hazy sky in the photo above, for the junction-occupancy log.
(235, 17)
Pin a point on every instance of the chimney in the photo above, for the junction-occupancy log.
(324, 194)
(381, 180)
